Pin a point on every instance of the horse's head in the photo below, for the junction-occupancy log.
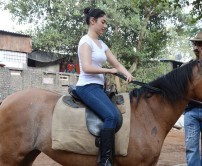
(180, 83)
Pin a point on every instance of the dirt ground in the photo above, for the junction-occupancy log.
(172, 154)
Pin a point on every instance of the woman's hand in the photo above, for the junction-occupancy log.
(113, 71)
(129, 78)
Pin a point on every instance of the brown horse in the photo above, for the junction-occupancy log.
(25, 121)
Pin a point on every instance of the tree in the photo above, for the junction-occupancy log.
(133, 24)
(196, 7)
(140, 25)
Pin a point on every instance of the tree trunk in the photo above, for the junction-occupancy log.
(149, 13)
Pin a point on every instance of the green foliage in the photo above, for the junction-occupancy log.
(147, 72)
(152, 70)
(139, 24)
(196, 8)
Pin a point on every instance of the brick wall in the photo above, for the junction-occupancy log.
(4, 82)
(12, 80)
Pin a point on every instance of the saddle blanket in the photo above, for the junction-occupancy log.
(69, 131)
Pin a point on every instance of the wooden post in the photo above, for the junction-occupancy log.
(117, 82)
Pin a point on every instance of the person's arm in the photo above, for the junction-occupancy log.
(117, 65)
(86, 55)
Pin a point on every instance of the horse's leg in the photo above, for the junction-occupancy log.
(16, 149)
(19, 160)
(29, 158)
(18, 128)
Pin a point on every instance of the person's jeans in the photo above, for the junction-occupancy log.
(193, 127)
(94, 97)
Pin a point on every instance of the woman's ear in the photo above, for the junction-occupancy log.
(92, 20)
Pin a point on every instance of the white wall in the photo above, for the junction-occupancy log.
(13, 59)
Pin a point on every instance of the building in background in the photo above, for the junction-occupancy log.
(16, 52)
(45, 60)
(22, 68)
(14, 49)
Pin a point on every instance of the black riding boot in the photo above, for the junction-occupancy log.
(106, 147)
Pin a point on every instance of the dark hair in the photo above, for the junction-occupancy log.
(174, 85)
(91, 12)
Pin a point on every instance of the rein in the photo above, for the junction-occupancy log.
(145, 85)
(142, 84)
(195, 101)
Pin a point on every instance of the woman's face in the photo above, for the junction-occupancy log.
(100, 25)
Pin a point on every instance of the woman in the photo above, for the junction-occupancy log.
(92, 53)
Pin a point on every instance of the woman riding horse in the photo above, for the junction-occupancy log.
(26, 117)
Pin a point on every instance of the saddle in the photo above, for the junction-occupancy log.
(93, 122)
(70, 133)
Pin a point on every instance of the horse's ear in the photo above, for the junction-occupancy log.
(200, 62)
(200, 66)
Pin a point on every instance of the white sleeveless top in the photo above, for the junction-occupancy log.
(97, 59)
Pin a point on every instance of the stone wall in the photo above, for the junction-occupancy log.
(13, 80)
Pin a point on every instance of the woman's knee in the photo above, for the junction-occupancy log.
(112, 120)
(113, 117)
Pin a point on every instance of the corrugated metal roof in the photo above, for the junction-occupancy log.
(42, 56)
(13, 33)
(174, 63)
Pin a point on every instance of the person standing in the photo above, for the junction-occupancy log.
(92, 53)
(193, 117)
(71, 67)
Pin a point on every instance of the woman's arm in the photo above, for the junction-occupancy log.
(116, 64)
(86, 55)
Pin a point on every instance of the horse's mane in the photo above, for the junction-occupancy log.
(173, 86)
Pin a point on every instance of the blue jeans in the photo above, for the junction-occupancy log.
(193, 127)
(95, 98)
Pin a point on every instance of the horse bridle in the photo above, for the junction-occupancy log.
(195, 101)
